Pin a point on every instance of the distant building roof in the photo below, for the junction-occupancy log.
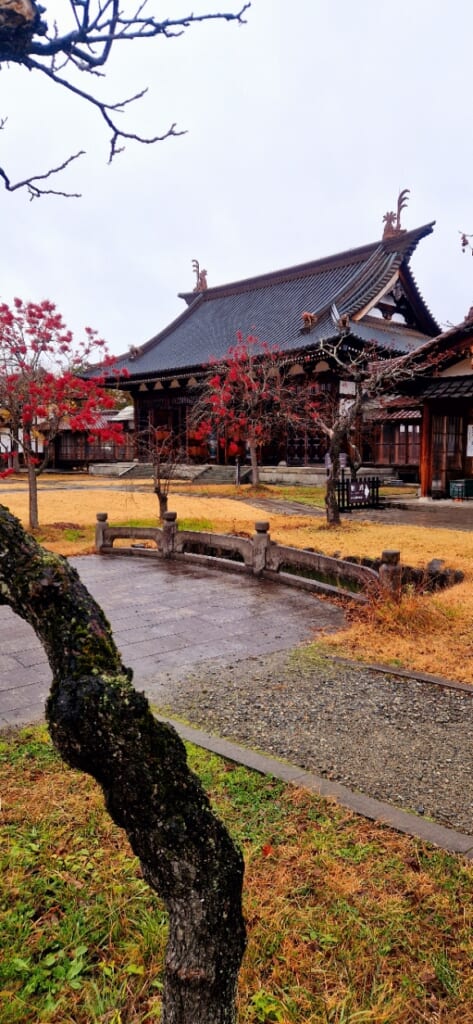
(123, 415)
(346, 285)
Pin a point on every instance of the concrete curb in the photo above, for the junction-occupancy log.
(402, 673)
(376, 810)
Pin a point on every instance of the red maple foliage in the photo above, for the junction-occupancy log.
(250, 395)
(42, 389)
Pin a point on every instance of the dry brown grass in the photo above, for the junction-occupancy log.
(430, 634)
(123, 502)
(347, 920)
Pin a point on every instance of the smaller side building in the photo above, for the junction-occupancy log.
(73, 449)
(446, 399)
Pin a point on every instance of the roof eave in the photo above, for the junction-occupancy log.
(427, 323)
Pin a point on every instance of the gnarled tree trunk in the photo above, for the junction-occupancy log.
(101, 725)
(331, 497)
(331, 502)
(253, 449)
(32, 494)
(162, 500)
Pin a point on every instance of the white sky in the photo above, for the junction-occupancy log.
(303, 125)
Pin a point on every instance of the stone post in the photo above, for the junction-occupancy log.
(261, 541)
(168, 534)
(390, 574)
(100, 529)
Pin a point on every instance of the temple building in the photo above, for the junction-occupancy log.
(368, 295)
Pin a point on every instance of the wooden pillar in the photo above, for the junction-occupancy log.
(425, 466)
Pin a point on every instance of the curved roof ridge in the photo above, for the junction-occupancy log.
(349, 290)
(346, 298)
(405, 243)
(411, 239)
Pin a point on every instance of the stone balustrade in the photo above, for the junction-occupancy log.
(257, 555)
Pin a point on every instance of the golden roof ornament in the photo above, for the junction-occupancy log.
(391, 220)
(201, 277)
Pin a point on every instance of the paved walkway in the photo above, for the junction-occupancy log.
(166, 619)
(443, 514)
(195, 637)
(447, 515)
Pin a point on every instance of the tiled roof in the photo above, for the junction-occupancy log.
(401, 415)
(450, 387)
(270, 306)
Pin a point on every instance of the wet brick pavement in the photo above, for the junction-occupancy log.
(166, 619)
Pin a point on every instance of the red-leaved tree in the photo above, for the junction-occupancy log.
(252, 395)
(250, 398)
(42, 390)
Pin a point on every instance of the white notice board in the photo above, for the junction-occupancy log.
(469, 441)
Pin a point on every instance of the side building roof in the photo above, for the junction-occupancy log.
(270, 306)
(451, 358)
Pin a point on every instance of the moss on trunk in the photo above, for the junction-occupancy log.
(102, 726)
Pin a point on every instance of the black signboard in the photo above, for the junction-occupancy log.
(359, 492)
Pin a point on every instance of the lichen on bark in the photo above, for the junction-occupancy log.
(101, 725)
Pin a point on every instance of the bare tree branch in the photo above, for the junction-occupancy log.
(107, 28)
(35, 191)
(27, 40)
(94, 37)
(105, 109)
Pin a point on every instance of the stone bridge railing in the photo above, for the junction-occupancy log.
(257, 555)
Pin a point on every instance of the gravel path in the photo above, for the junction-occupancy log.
(396, 739)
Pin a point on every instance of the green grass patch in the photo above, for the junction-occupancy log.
(347, 921)
(307, 495)
(74, 534)
(404, 491)
(303, 494)
(152, 521)
(312, 496)
(199, 525)
(196, 525)
(57, 532)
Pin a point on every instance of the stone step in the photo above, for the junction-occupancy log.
(211, 474)
(223, 475)
(144, 471)
(139, 471)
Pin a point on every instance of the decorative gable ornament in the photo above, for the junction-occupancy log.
(391, 220)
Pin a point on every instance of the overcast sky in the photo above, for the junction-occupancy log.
(302, 127)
